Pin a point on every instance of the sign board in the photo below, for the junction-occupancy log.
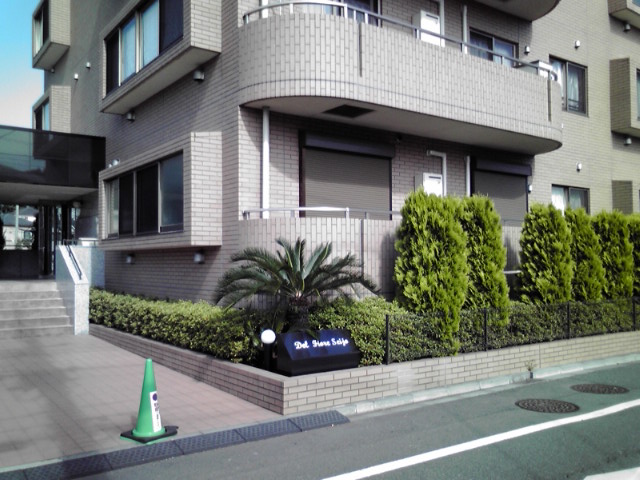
(310, 352)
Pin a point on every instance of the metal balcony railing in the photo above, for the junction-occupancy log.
(344, 212)
(327, 7)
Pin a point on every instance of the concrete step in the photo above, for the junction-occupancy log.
(48, 321)
(31, 302)
(27, 285)
(32, 294)
(9, 333)
(25, 312)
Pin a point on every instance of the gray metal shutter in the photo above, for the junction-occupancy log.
(337, 179)
(622, 193)
(508, 192)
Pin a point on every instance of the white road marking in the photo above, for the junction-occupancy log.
(481, 442)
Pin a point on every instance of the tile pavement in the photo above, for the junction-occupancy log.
(73, 395)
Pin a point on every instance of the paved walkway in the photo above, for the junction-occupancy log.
(72, 395)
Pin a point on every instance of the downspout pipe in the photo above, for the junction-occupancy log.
(467, 171)
(265, 161)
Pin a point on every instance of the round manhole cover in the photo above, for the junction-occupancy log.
(547, 406)
(599, 388)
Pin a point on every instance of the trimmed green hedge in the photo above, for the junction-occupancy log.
(586, 252)
(196, 326)
(617, 253)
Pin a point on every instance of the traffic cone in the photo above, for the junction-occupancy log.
(149, 425)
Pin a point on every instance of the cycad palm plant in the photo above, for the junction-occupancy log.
(295, 282)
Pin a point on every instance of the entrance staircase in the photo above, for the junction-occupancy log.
(32, 308)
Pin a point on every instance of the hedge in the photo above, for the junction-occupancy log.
(588, 273)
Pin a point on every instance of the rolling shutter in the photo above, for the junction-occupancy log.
(338, 179)
(508, 192)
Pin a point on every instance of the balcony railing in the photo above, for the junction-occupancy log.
(365, 16)
(345, 212)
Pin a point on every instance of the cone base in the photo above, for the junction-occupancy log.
(169, 431)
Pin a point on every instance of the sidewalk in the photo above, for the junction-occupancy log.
(69, 396)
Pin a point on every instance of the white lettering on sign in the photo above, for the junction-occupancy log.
(155, 412)
(301, 345)
(334, 342)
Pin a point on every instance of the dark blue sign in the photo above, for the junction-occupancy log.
(320, 351)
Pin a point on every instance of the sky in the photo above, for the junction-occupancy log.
(20, 85)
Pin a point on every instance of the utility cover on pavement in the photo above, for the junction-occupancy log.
(547, 406)
(599, 388)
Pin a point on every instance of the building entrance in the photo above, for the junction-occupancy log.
(30, 234)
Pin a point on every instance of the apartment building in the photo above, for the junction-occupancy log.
(232, 123)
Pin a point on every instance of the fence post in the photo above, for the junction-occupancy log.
(568, 319)
(388, 342)
(486, 334)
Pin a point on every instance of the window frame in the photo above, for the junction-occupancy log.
(490, 55)
(41, 27)
(42, 116)
(131, 206)
(562, 77)
(566, 191)
(165, 37)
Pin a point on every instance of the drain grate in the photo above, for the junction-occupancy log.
(547, 406)
(599, 388)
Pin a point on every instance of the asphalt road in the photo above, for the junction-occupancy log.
(453, 438)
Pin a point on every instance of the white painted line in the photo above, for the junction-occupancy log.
(481, 442)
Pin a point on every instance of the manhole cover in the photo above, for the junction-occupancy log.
(547, 406)
(599, 388)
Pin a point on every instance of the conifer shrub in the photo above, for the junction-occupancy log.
(588, 273)
(431, 271)
(634, 238)
(617, 254)
(546, 268)
(486, 257)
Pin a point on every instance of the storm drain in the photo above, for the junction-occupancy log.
(599, 388)
(547, 406)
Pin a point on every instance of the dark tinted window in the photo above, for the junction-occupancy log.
(171, 21)
(126, 204)
(147, 200)
(113, 56)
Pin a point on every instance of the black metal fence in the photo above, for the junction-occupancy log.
(412, 336)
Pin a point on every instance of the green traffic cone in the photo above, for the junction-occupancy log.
(149, 425)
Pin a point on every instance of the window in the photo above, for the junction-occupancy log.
(143, 36)
(370, 5)
(638, 92)
(41, 27)
(42, 117)
(569, 197)
(492, 48)
(572, 79)
(151, 198)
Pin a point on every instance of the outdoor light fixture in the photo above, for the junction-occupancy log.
(115, 162)
(198, 257)
(627, 141)
(131, 116)
(578, 166)
(131, 259)
(529, 188)
(627, 27)
(577, 44)
(527, 50)
(198, 75)
(88, 65)
(268, 336)
(76, 76)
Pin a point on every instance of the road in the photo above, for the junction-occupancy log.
(453, 438)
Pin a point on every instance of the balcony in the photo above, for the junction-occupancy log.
(201, 41)
(625, 117)
(524, 9)
(626, 10)
(38, 165)
(313, 59)
(51, 35)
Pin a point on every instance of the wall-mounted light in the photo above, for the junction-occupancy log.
(578, 166)
(130, 259)
(76, 76)
(626, 27)
(529, 188)
(198, 257)
(198, 75)
(131, 116)
(88, 65)
(627, 141)
(76, 204)
(577, 44)
(527, 50)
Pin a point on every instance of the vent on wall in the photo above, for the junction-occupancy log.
(348, 111)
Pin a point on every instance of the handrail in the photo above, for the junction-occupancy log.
(246, 214)
(74, 261)
(348, 11)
